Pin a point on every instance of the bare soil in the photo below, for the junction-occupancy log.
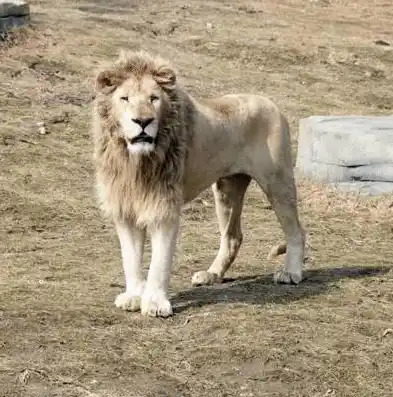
(60, 334)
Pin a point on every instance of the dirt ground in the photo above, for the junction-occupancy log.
(61, 335)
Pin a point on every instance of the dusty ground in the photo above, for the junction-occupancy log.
(60, 334)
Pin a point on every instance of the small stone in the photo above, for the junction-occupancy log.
(387, 332)
(209, 27)
(41, 128)
(24, 376)
(61, 118)
(323, 3)
(249, 9)
(382, 42)
(375, 74)
(171, 27)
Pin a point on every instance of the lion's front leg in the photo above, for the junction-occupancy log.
(155, 300)
(132, 241)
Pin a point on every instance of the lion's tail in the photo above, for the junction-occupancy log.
(277, 250)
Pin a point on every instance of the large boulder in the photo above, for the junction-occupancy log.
(13, 13)
(354, 152)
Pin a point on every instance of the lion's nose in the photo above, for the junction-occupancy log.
(143, 122)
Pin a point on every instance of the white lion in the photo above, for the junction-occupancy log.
(157, 148)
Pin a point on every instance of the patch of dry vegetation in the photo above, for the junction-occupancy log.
(60, 333)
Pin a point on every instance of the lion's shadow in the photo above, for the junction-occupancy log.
(259, 290)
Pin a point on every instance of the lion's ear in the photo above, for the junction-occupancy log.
(166, 77)
(104, 80)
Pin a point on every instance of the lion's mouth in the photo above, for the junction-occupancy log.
(142, 138)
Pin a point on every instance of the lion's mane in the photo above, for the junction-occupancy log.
(143, 189)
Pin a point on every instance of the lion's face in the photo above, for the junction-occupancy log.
(137, 105)
(137, 87)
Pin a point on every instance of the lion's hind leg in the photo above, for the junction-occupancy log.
(280, 189)
(229, 196)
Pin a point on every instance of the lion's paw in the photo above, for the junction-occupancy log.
(155, 304)
(128, 301)
(284, 277)
(204, 278)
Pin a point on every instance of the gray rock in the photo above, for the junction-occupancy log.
(14, 8)
(13, 13)
(373, 172)
(321, 171)
(13, 22)
(347, 140)
(339, 173)
(366, 188)
(347, 149)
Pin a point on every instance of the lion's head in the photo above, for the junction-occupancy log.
(135, 94)
(140, 131)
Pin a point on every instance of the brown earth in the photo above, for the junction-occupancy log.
(60, 334)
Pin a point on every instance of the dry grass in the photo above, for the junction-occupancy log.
(60, 334)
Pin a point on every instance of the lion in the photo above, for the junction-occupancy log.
(156, 148)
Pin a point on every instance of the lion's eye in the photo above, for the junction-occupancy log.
(154, 98)
(124, 98)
